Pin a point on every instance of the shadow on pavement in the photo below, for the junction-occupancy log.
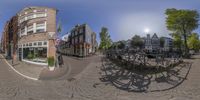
(134, 81)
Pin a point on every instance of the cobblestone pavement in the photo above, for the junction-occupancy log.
(135, 81)
(27, 69)
(88, 85)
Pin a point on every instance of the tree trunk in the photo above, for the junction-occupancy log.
(186, 46)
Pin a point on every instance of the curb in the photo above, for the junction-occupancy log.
(67, 72)
(31, 78)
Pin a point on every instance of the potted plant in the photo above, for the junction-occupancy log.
(51, 63)
(30, 56)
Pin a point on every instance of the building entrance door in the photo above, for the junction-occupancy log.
(20, 54)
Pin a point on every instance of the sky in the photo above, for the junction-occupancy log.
(123, 18)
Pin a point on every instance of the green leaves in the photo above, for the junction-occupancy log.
(193, 41)
(59, 29)
(51, 61)
(106, 41)
(137, 41)
(177, 41)
(181, 23)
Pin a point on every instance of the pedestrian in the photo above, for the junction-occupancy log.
(60, 60)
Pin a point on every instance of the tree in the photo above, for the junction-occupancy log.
(182, 22)
(162, 42)
(121, 44)
(137, 42)
(177, 41)
(105, 40)
(59, 29)
(193, 42)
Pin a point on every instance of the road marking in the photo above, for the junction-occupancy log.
(35, 79)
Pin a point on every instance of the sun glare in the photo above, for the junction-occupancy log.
(146, 30)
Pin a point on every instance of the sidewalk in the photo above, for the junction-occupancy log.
(38, 72)
(27, 69)
(55, 74)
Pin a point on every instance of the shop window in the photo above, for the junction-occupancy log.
(35, 54)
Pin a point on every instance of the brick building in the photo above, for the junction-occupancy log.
(9, 38)
(4, 38)
(37, 29)
(81, 42)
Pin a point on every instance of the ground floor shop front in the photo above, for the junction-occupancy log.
(34, 52)
(80, 50)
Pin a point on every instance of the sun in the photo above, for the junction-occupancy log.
(146, 30)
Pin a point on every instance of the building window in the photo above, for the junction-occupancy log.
(35, 44)
(41, 10)
(76, 40)
(72, 33)
(22, 19)
(30, 44)
(39, 43)
(81, 38)
(23, 30)
(30, 16)
(44, 43)
(73, 40)
(30, 29)
(40, 27)
(88, 38)
(76, 32)
(40, 30)
(35, 54)
(41, 15)
(81, 30)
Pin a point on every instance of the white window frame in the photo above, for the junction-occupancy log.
(39, 15)
(41, 26)
(30, 29)
(30, 16)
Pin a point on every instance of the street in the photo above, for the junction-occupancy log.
(85, 84)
